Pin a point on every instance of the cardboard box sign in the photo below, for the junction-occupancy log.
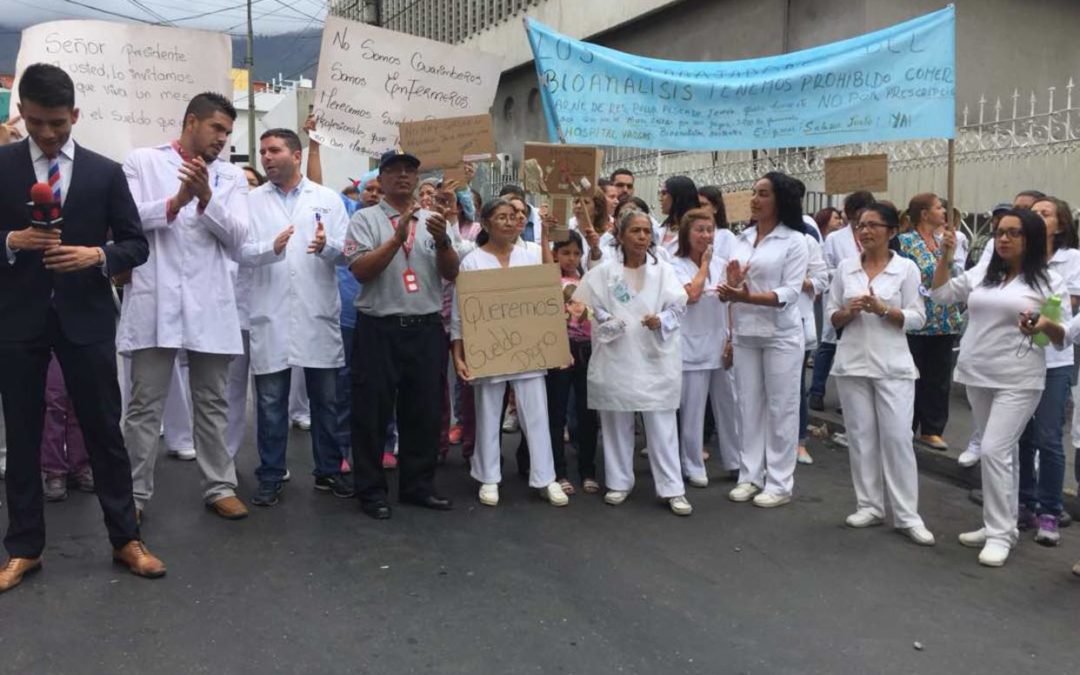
(565, 165)
(737, 206)
(445, 143)
(562, 208)
(844, 175)
(513, 320)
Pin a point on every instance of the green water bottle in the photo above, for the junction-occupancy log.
(1051, 309)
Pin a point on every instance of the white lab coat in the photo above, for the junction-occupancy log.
(640, 370)
(704, 326)
(818, 274)
(837, 247)
(295, 304)
(183, 297)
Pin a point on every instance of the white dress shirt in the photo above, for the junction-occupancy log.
(872, 346)
(778, 264)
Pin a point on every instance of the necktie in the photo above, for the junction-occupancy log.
(54, 177)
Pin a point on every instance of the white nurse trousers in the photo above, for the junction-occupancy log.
(877, 417)
(767, 372)
(662, 436)
(699, 387)
(531, 395)
(1002, 414)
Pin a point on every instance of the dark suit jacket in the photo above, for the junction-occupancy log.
(98, 206)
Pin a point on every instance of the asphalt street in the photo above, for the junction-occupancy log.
(314, 586)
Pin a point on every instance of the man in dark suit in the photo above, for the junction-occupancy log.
(55, 297)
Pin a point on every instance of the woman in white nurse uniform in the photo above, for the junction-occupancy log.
(497, 249)
(764, 280)
(874, 299)
(636, 363)
(704, 338)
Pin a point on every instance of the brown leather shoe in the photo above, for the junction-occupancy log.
(13, 571)
(934, 441)
(229, 508)
(139, 560)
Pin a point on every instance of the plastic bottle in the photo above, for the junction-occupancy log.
(1051, 309)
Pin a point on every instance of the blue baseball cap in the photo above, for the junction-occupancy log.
(391, 156)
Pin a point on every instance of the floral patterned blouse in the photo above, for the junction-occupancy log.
(940, 319)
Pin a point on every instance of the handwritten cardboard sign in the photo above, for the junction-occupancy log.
(562, 207)
(445, 143)
(563, 166)
(737, 206)
(132, 81)
(371, 79)
(513, 320)
(844, 175)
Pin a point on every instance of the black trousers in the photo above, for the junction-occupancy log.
(396, 366)
(933, 357)
(91, 380)
(559, 384)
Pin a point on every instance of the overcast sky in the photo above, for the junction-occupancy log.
(270, 16)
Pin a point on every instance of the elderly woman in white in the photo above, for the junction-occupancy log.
(874, 299)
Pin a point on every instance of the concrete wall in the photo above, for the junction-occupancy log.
(1002, 45)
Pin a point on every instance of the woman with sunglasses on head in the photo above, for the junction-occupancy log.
(678, 196)
(1040, 491)
(637, 303)
(932, 345)
(1003, 372)
(497, 249)
(765, 275)
(874, 298)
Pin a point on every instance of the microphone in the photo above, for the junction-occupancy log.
(44, 210)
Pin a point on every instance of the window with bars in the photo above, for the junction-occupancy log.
(450, 21)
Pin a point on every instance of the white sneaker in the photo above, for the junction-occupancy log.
(743, 492)
(302, 423)
(489, 494)
(554, 494)
(920, 535)
(994, 554)
(644, 452)
(615, 497)
(510, 422)
(974, 539)
(680, 506)
(969, 457)
(698, 482)
(863, 518)
(768, 500)
(186, 454)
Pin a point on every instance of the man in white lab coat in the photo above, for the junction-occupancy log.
(194, 212)
(297, 233)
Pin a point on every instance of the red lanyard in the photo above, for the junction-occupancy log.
(410, 241)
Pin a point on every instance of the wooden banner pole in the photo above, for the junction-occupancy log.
(951, 188)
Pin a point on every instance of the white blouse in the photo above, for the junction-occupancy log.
(778, 264)
(704, 327)
(993, 352)
(872, 346)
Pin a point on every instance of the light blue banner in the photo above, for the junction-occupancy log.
(898, 83)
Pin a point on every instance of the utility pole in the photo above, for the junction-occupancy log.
(250, 63)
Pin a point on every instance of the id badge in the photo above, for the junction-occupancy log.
(412, 285)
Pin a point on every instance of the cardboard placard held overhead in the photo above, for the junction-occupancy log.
(562, 207)
(564, 166)
(456, 173)
(844, 175)
(737, 206)
(513, 320)
(445, 143)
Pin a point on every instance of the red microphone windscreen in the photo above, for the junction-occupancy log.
(41, 193)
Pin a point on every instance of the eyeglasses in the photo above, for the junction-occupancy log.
(868, 224)
(1009, 232)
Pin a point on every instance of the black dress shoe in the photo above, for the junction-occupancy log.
(429, 502)
(379, 510)
(815, 402)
